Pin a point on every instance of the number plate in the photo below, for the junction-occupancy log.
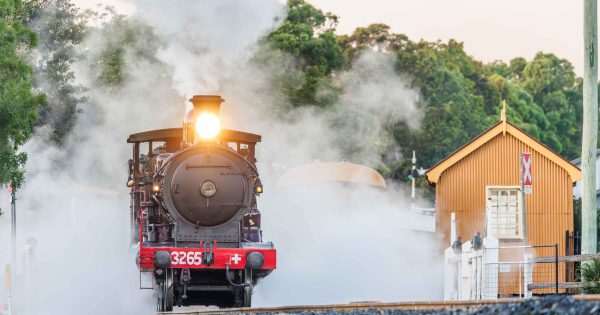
(184, 258)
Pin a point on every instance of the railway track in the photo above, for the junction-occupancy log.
(406, 306)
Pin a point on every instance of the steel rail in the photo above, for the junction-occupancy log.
(406, 306)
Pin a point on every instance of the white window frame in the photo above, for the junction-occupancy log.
(489, 226)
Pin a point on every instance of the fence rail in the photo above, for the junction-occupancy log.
(574, 258)
(523, 270)
(562, 285)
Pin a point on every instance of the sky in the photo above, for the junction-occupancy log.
(490, 30)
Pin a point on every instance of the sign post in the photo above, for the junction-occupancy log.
(8, 285)
(526, 183)
(13, 239)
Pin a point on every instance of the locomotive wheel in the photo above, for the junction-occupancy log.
(243, 297)
(247, 296)
(165, 294)
(247, 290)
(165, 300)
(165, 306)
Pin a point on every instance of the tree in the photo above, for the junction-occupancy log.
(120, 35)
(375, 37)
(18, 101)
(308, 35)
(60, 27)
(461, 96)
(545, 99)
(453, 105)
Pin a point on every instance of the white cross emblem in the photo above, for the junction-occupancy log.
(527, 170)
(236, 259)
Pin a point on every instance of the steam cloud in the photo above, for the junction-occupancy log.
(334, 246)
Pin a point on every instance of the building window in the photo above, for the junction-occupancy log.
(504, 212)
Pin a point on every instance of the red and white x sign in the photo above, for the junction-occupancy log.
(526, 168)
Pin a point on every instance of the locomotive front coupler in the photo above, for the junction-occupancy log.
(208, 255)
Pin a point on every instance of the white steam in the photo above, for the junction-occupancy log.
(207, 39)
(75, 202)
(338, 244)
(344, 245)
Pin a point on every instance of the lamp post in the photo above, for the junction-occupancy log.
(412, 176)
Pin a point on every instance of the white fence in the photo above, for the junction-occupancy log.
(464, 274)
(500, 271)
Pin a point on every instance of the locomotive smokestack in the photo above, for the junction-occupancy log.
(207, 103)
(203, 123)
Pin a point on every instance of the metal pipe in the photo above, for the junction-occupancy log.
(556, 266)
(568, 253)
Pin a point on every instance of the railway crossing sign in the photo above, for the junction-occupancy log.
(526, 177)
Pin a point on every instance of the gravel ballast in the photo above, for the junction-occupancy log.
(559, 304)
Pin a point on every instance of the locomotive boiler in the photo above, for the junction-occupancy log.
(194, 214)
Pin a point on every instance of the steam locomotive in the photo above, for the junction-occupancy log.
(194, 215)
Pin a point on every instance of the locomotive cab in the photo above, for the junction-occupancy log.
(194, 213)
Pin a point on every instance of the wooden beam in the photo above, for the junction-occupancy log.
(575, 258)
(561, 285)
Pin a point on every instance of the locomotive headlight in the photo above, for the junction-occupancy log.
(208, 189)
(155, 188)
(208, 125)
(258, 187)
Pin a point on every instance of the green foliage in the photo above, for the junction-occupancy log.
(120, 36)
(18, 102)
(461, 97)
(552, 110)
(60, 27)
(307, 34)
(590, 272)
(454, 104)
(375, 37)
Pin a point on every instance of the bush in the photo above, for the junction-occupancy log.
(590, 272)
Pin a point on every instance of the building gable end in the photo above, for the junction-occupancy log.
(435, 172)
